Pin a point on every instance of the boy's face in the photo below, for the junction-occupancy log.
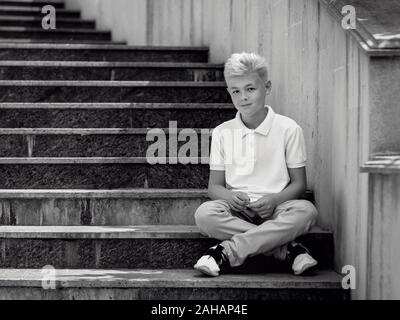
(248, 92)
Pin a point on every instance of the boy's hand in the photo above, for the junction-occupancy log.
(264, 206)
(238, 201)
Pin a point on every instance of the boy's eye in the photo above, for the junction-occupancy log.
(235, 91)
(250, 89)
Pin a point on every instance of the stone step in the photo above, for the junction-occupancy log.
(169, 284)
(31, 41)
(36, 22)
(15, 10)
(101, 173)
(57, 34)
(90, 52)
(113, 91)
(109, 142)
(160, 246)
(102, 207)
(113, 115)
(33, 3)
(83, 70)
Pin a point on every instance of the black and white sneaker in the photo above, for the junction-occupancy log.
(300, 258)
(213, 261)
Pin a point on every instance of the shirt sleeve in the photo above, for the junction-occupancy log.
(217, 152)
(295, 149)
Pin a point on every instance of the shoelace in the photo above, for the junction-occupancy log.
(295, 250)
(216, 253)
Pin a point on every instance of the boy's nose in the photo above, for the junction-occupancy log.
(244, 96)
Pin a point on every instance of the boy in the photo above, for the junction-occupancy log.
(257, 171)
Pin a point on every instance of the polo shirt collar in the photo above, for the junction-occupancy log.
(264, 126)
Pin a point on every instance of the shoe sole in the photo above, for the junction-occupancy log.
(306, 266)
(206, 271)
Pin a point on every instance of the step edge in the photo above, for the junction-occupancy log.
(113, 105)
(106, 193)
(102, 232)
(116, 232)
(58, 30)
(35, 18)
(109, 64)
(104, 160)
(101, 131)
(324, 279)
(34, 9)
(55, 41)
(76, 46)
(110, 83)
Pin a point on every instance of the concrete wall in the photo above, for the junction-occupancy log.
(320, 78)
(383, 237)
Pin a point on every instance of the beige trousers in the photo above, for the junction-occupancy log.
(242, 239)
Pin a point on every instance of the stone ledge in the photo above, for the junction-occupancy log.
(382, 165)
(175, 278)
(376, 34)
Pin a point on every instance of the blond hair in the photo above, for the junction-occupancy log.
(243, 63)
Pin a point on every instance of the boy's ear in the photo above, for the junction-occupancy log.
(268, 86)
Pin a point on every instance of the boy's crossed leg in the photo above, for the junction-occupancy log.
(242, 239)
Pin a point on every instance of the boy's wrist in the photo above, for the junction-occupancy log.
(221, 194)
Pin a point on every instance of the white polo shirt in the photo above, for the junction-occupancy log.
(256, 161)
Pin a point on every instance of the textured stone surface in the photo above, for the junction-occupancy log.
(109, 73)
(89, 211)
(384, 114)
(178, 176)
(170, 284)
(85, 53)
(59, 34)
(113, 118)
(108, 176)
(139, 253)
(102, 207)
(104, 253)
(106, 93)
(13, 146)
(158, 293)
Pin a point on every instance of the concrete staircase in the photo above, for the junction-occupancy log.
(76, 190)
